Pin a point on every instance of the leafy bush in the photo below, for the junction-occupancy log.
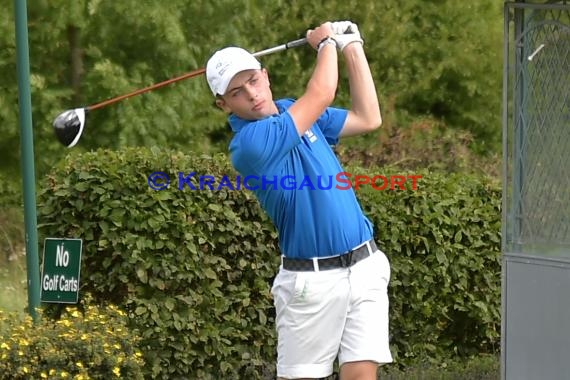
(86, 343)
(193, 268)
(443, 241)
(425, 143)
(10, 191)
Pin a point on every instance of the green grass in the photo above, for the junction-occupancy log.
(13, 285)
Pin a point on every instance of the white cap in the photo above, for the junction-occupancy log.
(225, 64)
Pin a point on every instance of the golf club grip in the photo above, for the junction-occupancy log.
(288, 45)
(296, 43)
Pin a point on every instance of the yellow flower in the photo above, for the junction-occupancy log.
(117, 371)
(117, 346)
(26, 370)
(5, 346)
(24, 342)
(44, 375)
(84, 336)
(52, 372)
(79, 364)
(64, 322)
(75, 314)
(64, 375)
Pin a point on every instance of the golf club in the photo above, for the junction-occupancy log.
(69, 124)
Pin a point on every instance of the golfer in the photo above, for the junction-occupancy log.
(330, 293)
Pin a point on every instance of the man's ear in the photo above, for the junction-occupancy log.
(220, 102)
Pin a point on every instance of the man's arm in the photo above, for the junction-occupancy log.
(321, 89)
(364, 114)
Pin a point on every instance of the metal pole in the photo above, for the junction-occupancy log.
(505, 231)
(27, 153)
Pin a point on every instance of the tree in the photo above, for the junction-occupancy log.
(428, 58)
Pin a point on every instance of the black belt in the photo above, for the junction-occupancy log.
(345, 260)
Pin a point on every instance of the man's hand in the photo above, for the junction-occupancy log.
(346, 32)
(315, 36)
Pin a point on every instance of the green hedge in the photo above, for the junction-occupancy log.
(194, 268)
(191, 267)
(443, 241)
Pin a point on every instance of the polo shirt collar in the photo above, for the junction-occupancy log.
(237, 123)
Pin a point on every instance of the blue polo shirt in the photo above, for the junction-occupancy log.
(295, 180)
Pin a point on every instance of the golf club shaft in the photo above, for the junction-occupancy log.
(288, 45)
(146, 89)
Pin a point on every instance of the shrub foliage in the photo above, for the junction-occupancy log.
(429, 58)
(88, 342)
(443, 241)
(193, 269)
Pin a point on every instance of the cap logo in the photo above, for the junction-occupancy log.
(222, 69)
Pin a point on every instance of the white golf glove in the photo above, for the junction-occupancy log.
(346, 32)
(340, 27)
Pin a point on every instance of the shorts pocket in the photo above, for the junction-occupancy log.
(372, 273)
(300, 291)
(287, 288)
(383, 265)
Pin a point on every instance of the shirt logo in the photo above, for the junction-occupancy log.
(311, 136)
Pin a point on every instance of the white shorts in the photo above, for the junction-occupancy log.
(323, 314)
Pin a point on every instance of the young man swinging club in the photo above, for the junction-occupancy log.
(330, 293)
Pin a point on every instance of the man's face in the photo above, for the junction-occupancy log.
(249, 96)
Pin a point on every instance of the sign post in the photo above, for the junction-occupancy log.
(60, 270)
(27, 154)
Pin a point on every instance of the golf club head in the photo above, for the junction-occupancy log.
(69, 125)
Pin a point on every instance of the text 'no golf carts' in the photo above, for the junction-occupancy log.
(60, 270)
